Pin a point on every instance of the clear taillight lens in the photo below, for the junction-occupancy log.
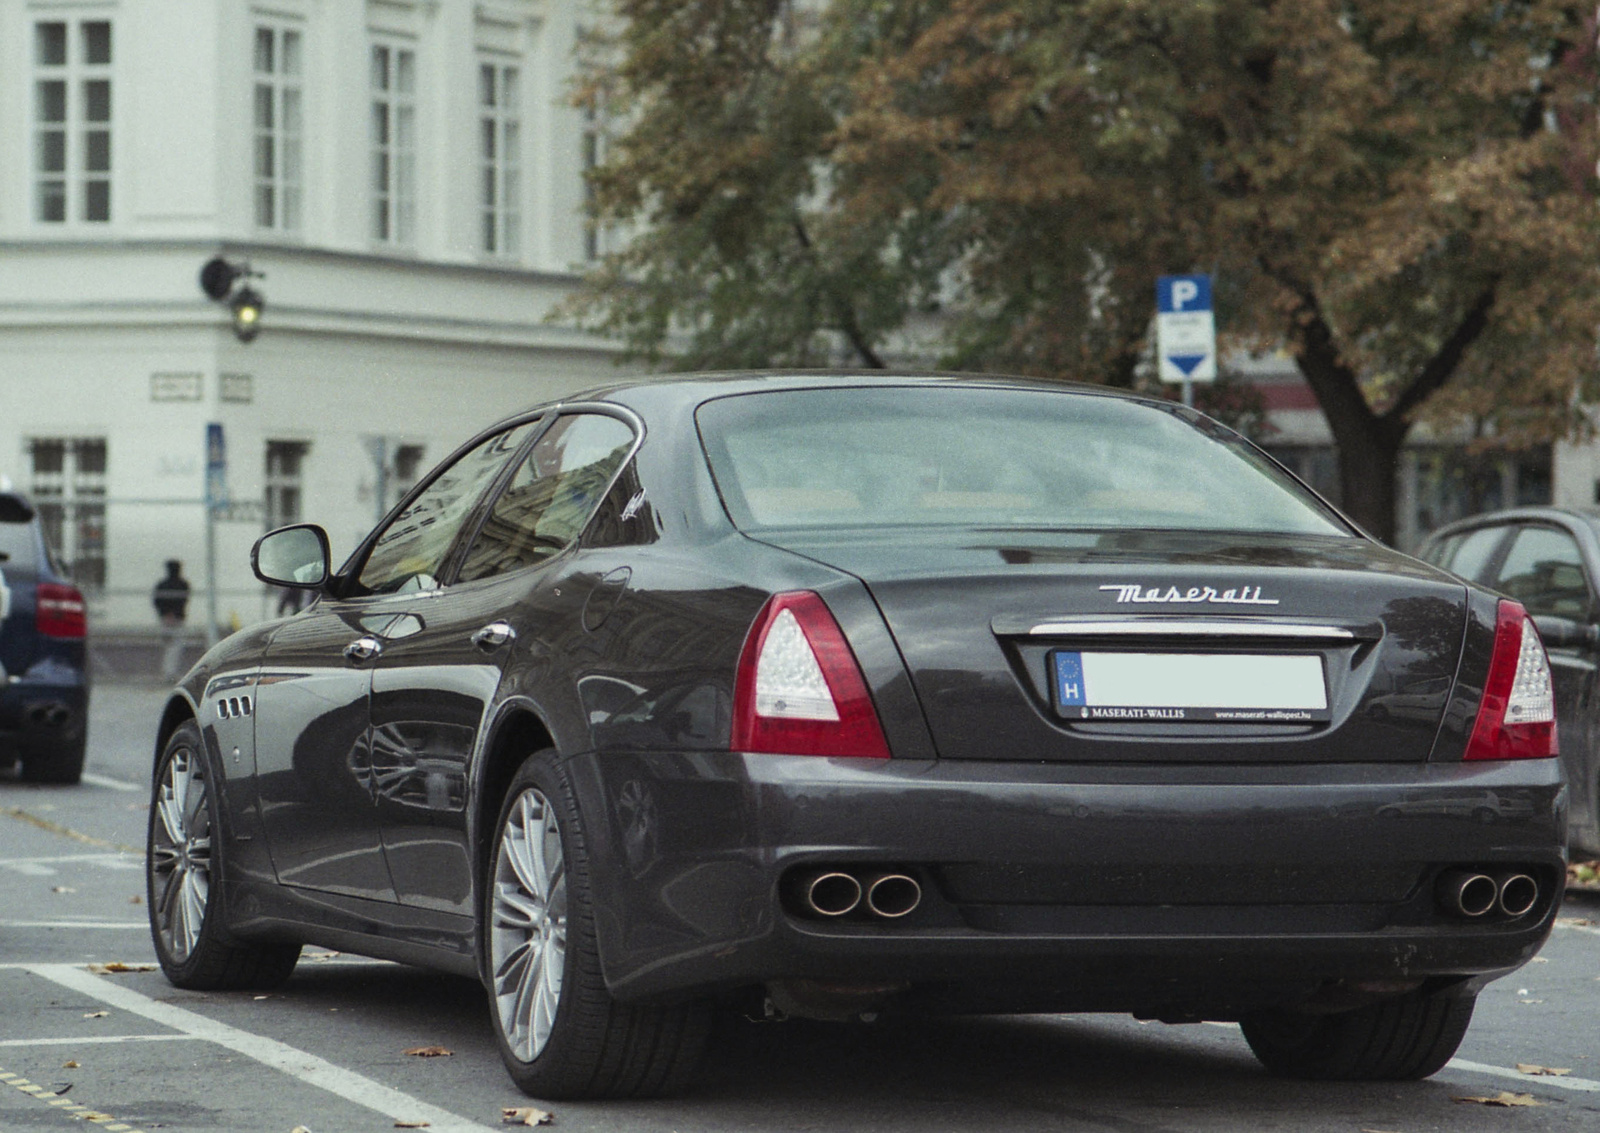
(58, 611)
(799, 689)
(1517, 719)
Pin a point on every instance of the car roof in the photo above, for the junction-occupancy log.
(693, 388)
(1548, 513)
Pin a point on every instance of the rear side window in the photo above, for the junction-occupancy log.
(550, 497)
(1544, 571)
(925, 457)
(1470, 555)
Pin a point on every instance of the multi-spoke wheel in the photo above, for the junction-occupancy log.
(560, 1032)
(528, 930)
(184, 849)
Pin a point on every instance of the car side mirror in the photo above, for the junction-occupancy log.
(1564, 633)
(294, 556)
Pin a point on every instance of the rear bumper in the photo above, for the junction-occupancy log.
(1167, 890)
(45, 706)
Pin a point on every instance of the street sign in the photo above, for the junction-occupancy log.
(1186, 330)
(216, 467)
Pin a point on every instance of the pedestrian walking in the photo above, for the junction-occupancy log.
(171, 600)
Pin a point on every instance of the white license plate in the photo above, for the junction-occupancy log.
(1239, 687)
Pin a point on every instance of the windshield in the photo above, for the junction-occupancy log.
(993, 457)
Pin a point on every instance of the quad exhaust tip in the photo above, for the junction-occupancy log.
(836, 893)
(1472, 894)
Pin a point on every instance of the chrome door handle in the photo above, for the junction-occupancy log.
(493, 636)
(362, 649)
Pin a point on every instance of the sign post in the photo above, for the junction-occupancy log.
(216, 501)
(1186, 331)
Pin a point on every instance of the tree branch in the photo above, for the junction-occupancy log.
(844, 311)
(1444, 362)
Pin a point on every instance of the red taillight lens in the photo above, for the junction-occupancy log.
(58, 611)
(799, 689)
(1517, 719)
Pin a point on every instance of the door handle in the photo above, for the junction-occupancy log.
(493, 636)
(362, 649)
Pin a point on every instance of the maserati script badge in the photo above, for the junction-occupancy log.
(1240, 596)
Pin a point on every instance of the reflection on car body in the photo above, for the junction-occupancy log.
(830, 695)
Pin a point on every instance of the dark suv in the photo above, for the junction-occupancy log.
(44, 677)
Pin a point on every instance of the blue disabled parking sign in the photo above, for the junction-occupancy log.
(1186, 330)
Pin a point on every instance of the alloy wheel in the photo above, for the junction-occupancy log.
(180, 854)
(528, 927)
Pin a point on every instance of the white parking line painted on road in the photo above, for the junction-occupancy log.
(94, 780)
(73, 924)
(308, 1068)
(1558, 1081)
(45, 865)
(82, 1040)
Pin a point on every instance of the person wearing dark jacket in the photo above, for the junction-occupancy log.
(171, 600)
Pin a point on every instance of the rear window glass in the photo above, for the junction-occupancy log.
(17, 545)
(923, 457)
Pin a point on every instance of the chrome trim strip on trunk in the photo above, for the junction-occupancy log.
(1150, 628)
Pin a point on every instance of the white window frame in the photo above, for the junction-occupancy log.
(283, 489)
(392, 137)
(595, 143)
(81, 140)
(277, 125)
(72, 505)
(500, 155)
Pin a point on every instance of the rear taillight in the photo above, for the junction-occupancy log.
(58, 611)
(1518, 717)
(799, 689)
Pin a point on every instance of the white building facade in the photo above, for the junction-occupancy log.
(403, 179)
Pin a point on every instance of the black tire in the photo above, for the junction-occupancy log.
(560, 1032)
(61, 762)
(185, 848)
(1400, 1039)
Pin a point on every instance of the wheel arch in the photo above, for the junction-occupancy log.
(178, 710)
(518, 733)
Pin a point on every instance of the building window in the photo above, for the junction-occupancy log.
(500, 130)
(407, 469)
(278, 146)
(394, 144)
(284, 488)
(72, 121)
(69, 490)
(594, 155)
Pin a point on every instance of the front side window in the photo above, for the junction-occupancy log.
(279, 150)
(410, 552)
(394, 144)
(551, 495)
(68, 486)
(500, 158)
(869, 459)
(1544, 571)
(72, 121)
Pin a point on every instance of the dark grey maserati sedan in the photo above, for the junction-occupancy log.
(833, 695)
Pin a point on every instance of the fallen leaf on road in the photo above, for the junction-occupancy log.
(1581, 922)
(299, 1129)
(411, 1124)
(1505, 1098)
(62, 889)
(97, 1014)
(430, 1051)
(136, 900)
(525, 1115)
(1540, 960)
(119, 966)
(1530, 1001)
(1535, 1068)
(70, 1064)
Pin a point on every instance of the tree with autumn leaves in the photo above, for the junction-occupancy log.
(1401, 193)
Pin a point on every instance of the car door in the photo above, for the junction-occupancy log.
(432, 688)
(1544, 569)
(314, 752)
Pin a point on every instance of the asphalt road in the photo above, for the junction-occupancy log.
(125, 1051)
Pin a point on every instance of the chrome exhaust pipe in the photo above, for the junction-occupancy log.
(1518, 894)
(1468, 894)
(831, 893)
(893, 895)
